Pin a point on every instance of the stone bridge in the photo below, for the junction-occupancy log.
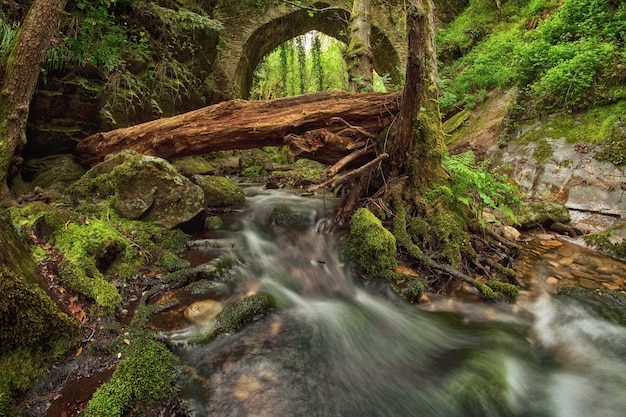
(251, 35)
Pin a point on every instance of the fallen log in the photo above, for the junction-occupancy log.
(240, 124)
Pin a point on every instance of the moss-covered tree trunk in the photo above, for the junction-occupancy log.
(419, 144)
(359, 56)
(20, 80)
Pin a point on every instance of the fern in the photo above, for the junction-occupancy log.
(7, 34)
(474, 186)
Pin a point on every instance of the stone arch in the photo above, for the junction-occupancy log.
(280, 24)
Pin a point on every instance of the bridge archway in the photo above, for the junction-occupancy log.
(261, 35)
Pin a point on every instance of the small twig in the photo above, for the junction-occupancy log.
(349, 158)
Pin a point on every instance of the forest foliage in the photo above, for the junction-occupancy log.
(558, 55)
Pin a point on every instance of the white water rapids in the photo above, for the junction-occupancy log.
(337, 347)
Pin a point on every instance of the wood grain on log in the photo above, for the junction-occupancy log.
(240, 124)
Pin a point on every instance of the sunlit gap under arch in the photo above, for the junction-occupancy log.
(305, 64)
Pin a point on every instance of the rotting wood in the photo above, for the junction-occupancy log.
(240, 124)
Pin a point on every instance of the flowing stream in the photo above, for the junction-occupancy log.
(337, 346)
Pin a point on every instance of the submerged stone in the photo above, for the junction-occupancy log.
(203, 311)
(248, 310)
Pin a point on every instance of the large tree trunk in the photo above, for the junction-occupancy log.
(359, 56)
(20, 80)
(419, 144)
(323, 126)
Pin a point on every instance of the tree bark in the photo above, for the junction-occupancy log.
(359, 56)
(322, 126)
(419, 145)
(20, 80)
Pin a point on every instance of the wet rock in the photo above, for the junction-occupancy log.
(370, 246)
(588, 283)
(509, 232)
(541, 213)
(283, 215)
(219, 191)
(203, 311)
(610, 305)
(248, 310)
(53, 171)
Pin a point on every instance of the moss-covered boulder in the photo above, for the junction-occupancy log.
(369, 246)
(541, 213)
(145, 187)
(151, 189)
(219, 191)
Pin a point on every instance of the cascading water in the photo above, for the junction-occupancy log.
(335, 347)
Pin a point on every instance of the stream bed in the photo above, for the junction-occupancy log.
(337, 346)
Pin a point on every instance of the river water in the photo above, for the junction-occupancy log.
(339, 347)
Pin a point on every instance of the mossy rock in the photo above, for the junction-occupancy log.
(283, 215)
(541, 213)
(53, 171)
(255, 158)
(370, 247)
(303, 171)
(219, 191)
(610, 305)
(494, 290)
(150, 188)
(611, 241)
(145, 187)
(408, 287)
(248, 310)
(193, 165)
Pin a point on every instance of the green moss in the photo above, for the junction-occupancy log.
(248, 310)
(370, 247)
(213, 222)
(283, 215)
(610, 305)
(219, 191)
(104, 245)
(400, 230)
(252, 172)
(145, 376)
(494, 290)
(599, 125)
(409, 288)
(543, 151)
(480, 384)
(608, 244)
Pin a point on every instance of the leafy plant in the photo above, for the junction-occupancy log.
(474, 186)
